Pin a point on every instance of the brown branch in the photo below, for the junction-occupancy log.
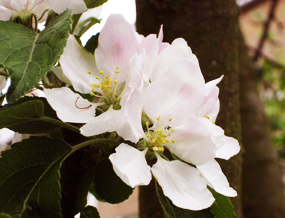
(265, 30)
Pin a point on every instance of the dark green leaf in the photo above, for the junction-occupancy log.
(3, 215)
(171, 211)
(24, 115)
(89, 212)
(92, 43)
(108, 185)
(29, 179)
(28, 56)
(94, 3)
(83, 191)
(222, 207)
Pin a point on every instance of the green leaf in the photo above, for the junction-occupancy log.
(29, 178)
(25, 116)
(92, 43)
(28, 56)
(171, 211)
(3, 215)
(108, 185)
(89, 212)
(82, 27)
(94, 3)
(222, 207)
(81, 199)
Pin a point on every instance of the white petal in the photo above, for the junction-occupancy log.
(130, 165)
(216, 179)
(193, 142)
(126, 121)
(59, 73)
(229, 149)
(182, 184)
(70, 106)
(77, 6)
(76, 63)
(177, 94)
(5, 13)
(209, 87)
(117, 44)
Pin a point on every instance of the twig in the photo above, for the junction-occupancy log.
(265, 31)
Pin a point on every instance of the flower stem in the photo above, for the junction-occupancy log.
(60, 123)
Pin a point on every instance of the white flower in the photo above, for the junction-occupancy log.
(8, 8)
(2, 82)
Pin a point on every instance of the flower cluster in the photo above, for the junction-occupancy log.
(152, 94)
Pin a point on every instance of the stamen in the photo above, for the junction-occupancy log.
(158, 118)
(172, 130)
(101, 72)
(117, 71)
(117, 68)
(172, 141)
(207, 117)
(89, 72)
(82, 107)
(170, 119)
(97, 77)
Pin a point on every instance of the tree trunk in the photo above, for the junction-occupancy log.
(262, 189)
(211, 29)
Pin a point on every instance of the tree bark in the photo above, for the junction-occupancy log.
(262, 189)
(211, 30)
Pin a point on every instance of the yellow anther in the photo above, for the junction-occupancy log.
(117, 68)
(93, 89)
(161, 131)
(91, 93)
(155, 148)
(153, 141)
(111, 91)
(163, 141)
(158, 118)
(161, 149)
(172, 130)
(147, 124)
(115, 82)
(207, 116)
(101, 72)
(97, 77)
(164, 135)
(155, 131)
(166, 140)
(170, 119)
(94, 85)
(172, 141)
(148, 135)
(214, 123)
(89, 72)
(117, 71)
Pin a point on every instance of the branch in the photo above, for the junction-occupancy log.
(265, 30)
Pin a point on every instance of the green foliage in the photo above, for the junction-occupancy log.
(28, 56)
(2, 215)
(89, 212)
(28, 115)
(94, 3)
(171, 211)
(222, 207)
(108, 185)
(92, 43)
(29, 179)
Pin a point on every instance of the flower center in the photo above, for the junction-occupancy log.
(158, 138)
(106, 88)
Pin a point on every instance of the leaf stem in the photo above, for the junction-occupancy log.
(4, 74)
(93, 141)
(60, 123)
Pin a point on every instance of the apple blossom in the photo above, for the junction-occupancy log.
(2, 82)
(23, 8)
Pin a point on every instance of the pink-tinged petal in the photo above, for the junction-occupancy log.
(193, 142)
(70, 106)
(77, 6)
(177, 94)
(182, 184)
(211, 85)
(130, 165)
(75, 63)
(5, 13)
(229, 149)
(2, 82)
(215, 178)
(117, 44)
(161, 45)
